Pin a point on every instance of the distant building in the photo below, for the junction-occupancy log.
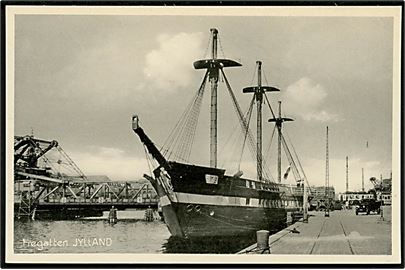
(385, 197)
(352, 197)
(319, 192)
(380, 192)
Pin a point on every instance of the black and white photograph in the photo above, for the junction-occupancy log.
(256, 134)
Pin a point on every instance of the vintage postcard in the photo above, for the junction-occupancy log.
(186, 134)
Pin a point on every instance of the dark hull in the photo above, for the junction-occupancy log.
(194, 205)
(207, 220)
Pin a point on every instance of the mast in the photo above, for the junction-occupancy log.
(279, 123)
(327, 174)
(213, 77)
(259, 91)
(259, 100)
(213, 66)
(362, 179)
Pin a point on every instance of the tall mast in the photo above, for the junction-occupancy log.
(259, 91)
(327, 174)
(213, 77)
(362, 179)
(259, 100)
(279, 124)
(279, 145)
(213, 66)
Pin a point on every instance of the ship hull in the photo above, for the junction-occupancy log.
(194, 205)
(196, 220)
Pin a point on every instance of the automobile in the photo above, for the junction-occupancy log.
(367, 206)
(312, 206)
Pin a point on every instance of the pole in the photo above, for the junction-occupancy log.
(327, 174)
(259, 98)
(347, 174)
(213, 77)
(362, 179)
(279, 142)
(305, 202)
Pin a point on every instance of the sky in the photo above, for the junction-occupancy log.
(79, 79)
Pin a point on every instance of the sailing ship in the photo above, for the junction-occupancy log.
(200, 201)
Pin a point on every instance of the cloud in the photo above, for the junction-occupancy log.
(170, 66)
(99, 74)
(304, 98)
(112, 162)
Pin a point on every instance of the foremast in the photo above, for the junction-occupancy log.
(213, 66)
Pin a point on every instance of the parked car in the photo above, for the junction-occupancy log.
(367, 206)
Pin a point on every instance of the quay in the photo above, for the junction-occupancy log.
(343, 232)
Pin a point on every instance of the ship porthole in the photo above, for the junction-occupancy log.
(197, 208)
(189, 208)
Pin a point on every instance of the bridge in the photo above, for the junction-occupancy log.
(68, 200)
(45, 188)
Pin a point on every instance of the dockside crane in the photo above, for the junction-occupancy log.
(32, 180)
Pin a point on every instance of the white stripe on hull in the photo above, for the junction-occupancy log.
(190, 198)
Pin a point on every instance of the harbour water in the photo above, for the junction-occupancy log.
(131, 234)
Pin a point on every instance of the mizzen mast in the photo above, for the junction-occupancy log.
(213, 66)
(279, 123)
(259, 91)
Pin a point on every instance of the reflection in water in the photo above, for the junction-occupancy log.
(216, 245)
(129, 235)
(77, 236)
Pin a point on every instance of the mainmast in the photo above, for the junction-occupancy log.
(279, 123)
(213, 66)
(258, 91)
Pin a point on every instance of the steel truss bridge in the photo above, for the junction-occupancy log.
(38, 198)
(46, 192)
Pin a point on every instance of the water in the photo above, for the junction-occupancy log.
(131, 234)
